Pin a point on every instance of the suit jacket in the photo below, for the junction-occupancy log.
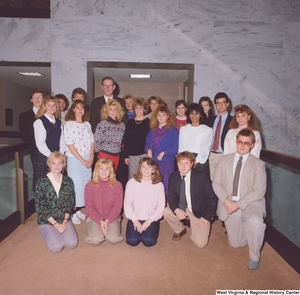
(26, 120)
(252, 183)
(97, 104)
(210, 123)
(203, 198)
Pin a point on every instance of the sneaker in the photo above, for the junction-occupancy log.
(80, 215)
(75, 219)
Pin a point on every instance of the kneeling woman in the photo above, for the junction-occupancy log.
(144, 204)
(54, 202)
(103, 197)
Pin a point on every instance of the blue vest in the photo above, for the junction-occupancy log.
(53, 132)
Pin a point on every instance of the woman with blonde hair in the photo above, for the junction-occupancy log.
(244, 118)
(162, 141)
(54, 201)
(79, 139)
(144, 203)
(109, 132)
(48, 134)
(103, 197)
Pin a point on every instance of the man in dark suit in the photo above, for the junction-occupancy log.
(190, 196)
(26, 120)
(220, 124)
(108, 87)
(240, 185)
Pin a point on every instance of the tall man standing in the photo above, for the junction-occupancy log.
(190, 196)
(26, 120)
(240, 185)
(220, 124)
(108, 87)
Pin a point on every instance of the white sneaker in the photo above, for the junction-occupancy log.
(75, 219)
(80, 215)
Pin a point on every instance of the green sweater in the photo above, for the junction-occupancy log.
(48, 204)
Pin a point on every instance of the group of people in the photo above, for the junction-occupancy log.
(177, 168)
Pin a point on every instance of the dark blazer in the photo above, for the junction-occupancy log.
(210, 123)
(204, 200)
(26, 120)
(96, 106)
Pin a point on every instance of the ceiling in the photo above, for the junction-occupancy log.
(10, 73)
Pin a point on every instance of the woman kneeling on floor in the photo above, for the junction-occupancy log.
(103, 197)
(144, 204)
(54, 202)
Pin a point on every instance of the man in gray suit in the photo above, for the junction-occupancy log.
(240, 185)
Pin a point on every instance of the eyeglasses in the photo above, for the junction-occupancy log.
(246, 143)
(221, 103)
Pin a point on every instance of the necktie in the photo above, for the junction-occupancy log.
(182, 204)
(237, 176)
(217, 135)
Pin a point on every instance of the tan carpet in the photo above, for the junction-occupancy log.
(27, 267)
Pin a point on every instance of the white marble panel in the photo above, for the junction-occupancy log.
(67, 75)
(264, 93)
(220, 9)
(275, 11)
(184, 40)
(116, 9)
(25, 39)
(246, 42)
(95, 39)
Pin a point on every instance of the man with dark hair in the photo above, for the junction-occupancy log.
(79, 94)
(240, 185)
(27, 118)
(108, 87)
(220, 124)
(190, 196)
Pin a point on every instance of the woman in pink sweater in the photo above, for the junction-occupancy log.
(103, 197)
(144, 203)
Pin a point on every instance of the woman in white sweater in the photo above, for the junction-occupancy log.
(195, 137)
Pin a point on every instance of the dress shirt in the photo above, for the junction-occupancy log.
(224, 118)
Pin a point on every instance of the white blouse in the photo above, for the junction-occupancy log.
(196, 139)
(80, 135)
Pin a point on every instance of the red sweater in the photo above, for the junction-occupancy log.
(102, 201)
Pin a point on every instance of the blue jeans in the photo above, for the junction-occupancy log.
(147, 237)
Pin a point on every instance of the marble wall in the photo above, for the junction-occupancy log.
(249, 49)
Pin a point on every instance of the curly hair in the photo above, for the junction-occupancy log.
(42, 109)
(156, 177)
(252, 123)
(70, 116)
(162, 109)
(105, 108)
(195, 107)
(112, 175)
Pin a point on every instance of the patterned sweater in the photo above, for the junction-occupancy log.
(49, 204)
(108, 136)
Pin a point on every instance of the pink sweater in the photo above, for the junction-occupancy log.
(102, 201)
(144, 200)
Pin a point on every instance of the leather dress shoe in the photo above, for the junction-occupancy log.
(177, 237)
(253, 264)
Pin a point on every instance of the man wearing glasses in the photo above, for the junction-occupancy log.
(108, 87)
(240, 185)
(220, 124)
